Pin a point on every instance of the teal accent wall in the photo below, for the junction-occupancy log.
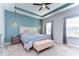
(11, 30)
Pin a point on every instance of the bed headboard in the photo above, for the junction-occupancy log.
(27, 29)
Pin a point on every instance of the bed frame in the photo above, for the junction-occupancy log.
(27, 29)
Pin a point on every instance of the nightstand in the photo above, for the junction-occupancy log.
(15, 40)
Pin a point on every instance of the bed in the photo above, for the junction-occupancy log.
(30, 35)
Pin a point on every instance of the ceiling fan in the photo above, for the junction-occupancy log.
(43, 5)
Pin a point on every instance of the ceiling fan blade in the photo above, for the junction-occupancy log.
(47, 3)
(36, 4)
(40, 8)
(47, 7)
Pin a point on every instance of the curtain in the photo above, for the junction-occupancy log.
(52, 30)
(64, 32)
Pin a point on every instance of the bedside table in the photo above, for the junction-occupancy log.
(15, 40)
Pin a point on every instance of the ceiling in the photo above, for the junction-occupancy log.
(32, 10)
(35, 9)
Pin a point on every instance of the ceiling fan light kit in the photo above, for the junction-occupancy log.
(43, 5)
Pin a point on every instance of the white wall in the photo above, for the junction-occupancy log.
(58, 22)
(2, 24)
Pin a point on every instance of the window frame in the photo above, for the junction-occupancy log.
(50, 28)
(73, 16)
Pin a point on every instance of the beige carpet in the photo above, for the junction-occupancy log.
(3, 51)
(57, 50)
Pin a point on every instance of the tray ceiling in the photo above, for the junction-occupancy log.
(33, 10)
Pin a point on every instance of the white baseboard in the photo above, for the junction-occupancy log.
(58, 41)
(8, 43)
(73, 45)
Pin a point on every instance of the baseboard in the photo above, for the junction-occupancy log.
(58, 41)
(8, 43)
(73, 45)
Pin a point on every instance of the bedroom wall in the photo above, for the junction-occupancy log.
(21, 20)
(2, 27)
(59, 22)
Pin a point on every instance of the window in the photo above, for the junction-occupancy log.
(48, 28)
(72, 27)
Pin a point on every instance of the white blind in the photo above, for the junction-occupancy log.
(48, 28)
(72, 27)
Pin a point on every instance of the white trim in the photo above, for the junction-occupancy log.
(76, 46)
(7, 43)
(61, 10)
